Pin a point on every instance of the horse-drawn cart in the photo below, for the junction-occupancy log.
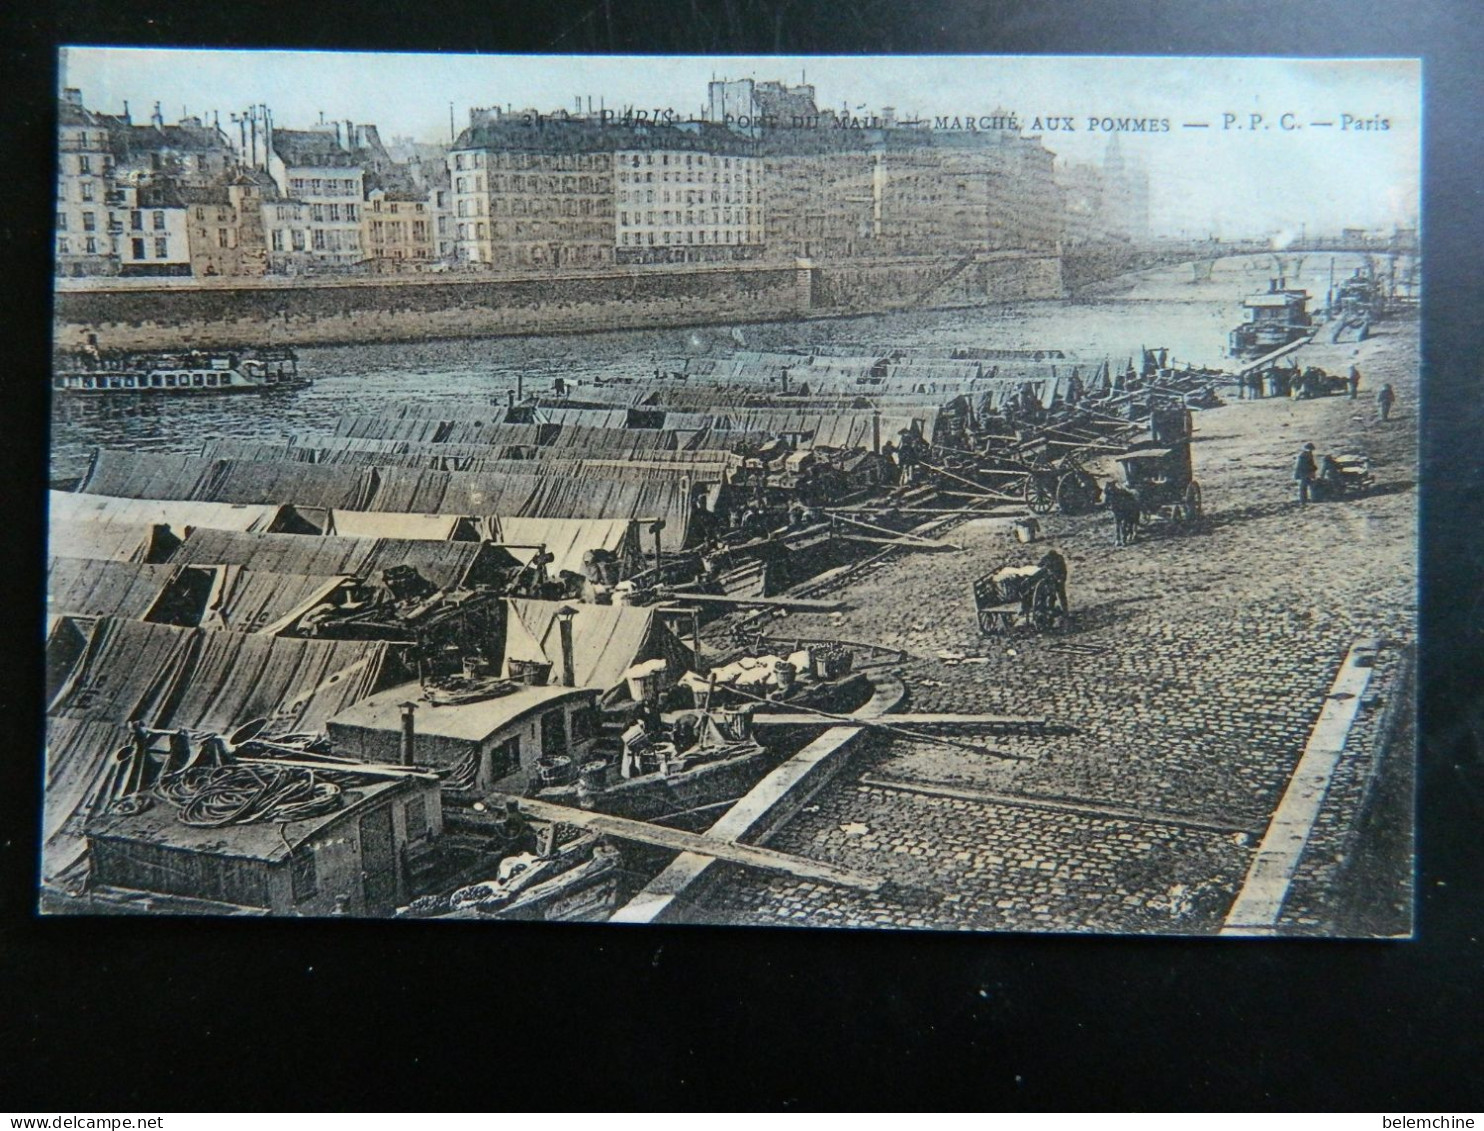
(1342, 476)
(1162, 480)
(1014, 596)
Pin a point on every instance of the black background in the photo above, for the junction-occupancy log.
(133, 1015)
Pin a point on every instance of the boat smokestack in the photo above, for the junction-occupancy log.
(409, 734)
(876, 433)
(569, 662)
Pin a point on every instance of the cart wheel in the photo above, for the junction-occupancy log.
(1193, 501)
(1040, 495)
(1044, 609)
(992, 622)
(1076, 493)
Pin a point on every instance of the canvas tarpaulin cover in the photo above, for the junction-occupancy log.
(101, 541)
(168, 677)
(566, 539)
(147, 475)
(243, 600)
(607, 640)
(77, 587)
(180, 515)
(392, 524)
(445, 564)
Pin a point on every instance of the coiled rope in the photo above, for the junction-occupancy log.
(213, 796)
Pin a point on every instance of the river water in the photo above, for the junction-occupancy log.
(1167, 307)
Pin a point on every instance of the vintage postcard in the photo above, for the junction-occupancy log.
(951, 493)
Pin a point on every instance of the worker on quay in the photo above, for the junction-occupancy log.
(1385, 399)
(1354, 380)
(907, 456)
(1055, 566)
(1304, 471)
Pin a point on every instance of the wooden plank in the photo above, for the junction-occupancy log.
(804, 604)
(1281, 351)
(895, 536)
(982, 512)
(904, 543)
(783, 718)
(748, 855)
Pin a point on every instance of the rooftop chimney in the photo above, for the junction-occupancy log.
(409, 734)
(569, 663)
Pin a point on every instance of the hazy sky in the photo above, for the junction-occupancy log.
(1227, 181)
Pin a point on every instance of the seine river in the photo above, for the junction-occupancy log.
(1167, 308)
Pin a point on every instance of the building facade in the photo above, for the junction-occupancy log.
(530, 198)
(150, 231)
(225, 227)
(316, 168)
(675, 206)
(398, 227)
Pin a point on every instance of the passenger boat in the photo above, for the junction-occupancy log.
(96, 373)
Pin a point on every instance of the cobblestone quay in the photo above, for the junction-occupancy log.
(1196, 665)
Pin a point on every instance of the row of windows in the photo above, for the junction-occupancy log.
(325, 186)
(137, 248)
(203, 380)
(634, 160)
(518, 183)
(522, 207)
(692, 196)
(395, 231)
(479, 159)
(718, 216)
(536, 229)
(717, 237)
(320, 239)
(86, 166)
(334, 213)
(689, 177)
(136, 221)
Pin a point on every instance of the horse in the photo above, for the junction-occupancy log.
(1125, 507)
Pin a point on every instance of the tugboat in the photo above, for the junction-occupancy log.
(101, 373)
(1273, 319)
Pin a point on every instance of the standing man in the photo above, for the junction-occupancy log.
(1304, 470)
(1354, 381)
(1385, 399)
(1056, 568)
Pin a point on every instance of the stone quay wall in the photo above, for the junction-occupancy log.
(172, 314)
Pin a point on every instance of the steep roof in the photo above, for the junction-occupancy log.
(316, 149)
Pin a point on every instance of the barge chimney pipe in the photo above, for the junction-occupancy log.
(409, 733)
(876, 433)
(569, 663)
